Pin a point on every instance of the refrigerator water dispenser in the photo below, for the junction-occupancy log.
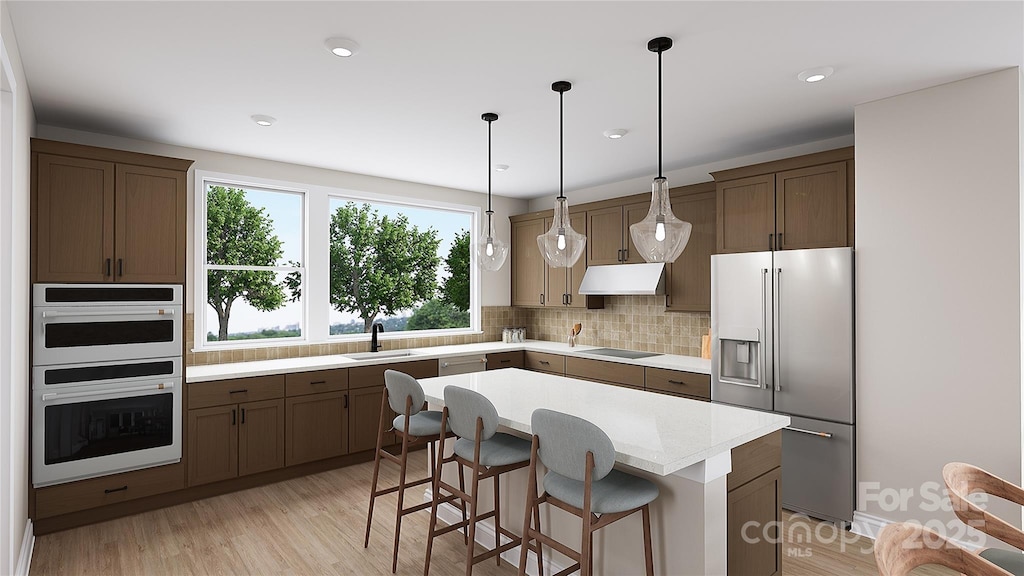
(739, 357)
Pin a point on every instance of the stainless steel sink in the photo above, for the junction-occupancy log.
(615, 352)
(382, 354)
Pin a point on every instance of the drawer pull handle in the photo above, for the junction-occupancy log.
(680, 382)
(811, 432)
(234, 417)
(545, 362)
(505, 361)
(242, 391)
(112, 490)
(318, 382)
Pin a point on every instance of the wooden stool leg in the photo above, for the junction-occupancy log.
(471, 529)
(435, 497)
(648, 548)
(531, 510)
(497, 516)
(540, 547)
(462, 503)
(401, 500)
(376, 467)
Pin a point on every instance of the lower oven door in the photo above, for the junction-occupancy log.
(94, 430)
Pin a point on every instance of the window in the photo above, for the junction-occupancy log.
(253, 269)
(281, 262)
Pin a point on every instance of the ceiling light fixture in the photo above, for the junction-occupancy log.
(615, 133)
(561, 246)
(490, 251)
(500, 167)
(660, 236)
(342, 47)
(813, 75)
(263, 119)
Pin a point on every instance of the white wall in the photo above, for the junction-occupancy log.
(14, 308)
(938, 288)
(687, 176)
(495, 285)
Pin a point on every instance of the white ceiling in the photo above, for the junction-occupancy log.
(408, 105)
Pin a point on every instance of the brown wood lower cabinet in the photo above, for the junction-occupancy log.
(544, 362)
(317, 427)
(755, 508)
(94, 492)
(626, 375)
(677, 383)
(235, 440)
(498, 360)
(366, 385)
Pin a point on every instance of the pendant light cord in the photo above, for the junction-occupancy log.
(488, 167)
(659, 114)
(561, 146)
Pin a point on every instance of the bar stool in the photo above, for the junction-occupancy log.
(414, 426)
(489, 454)
(581, 480)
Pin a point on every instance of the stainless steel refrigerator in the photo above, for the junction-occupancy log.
(783, 341)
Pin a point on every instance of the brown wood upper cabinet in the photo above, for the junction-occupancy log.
(689, 277)
(611, 242)
(107, 216)
(534, 283)
(803, 202)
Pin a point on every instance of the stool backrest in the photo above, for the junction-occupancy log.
(902, 547)
(464, 407)
(564, 441)
(400, 387)
(962, 480)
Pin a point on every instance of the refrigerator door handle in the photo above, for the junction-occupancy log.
(811, 432)
(778, 329)
(761, 380)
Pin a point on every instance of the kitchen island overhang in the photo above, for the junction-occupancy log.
(685, 446)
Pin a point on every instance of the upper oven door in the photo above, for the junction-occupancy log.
(69, 335)
(54, 377)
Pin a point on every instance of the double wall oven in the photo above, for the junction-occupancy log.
(106, 379)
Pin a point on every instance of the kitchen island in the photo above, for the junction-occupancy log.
(682, 445)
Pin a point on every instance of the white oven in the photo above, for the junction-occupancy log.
(119, 417)
(105, 322)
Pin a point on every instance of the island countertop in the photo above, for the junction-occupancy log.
(655, 433)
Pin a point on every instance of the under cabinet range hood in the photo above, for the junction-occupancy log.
(624, 279)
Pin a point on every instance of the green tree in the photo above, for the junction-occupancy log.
(436, 314)
(239, 234)
(455, 290)
(380, 265)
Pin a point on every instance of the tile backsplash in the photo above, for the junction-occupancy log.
(632, 322)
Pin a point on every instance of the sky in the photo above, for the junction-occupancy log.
(286, 211)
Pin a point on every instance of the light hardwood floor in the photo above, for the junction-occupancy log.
(314, 525)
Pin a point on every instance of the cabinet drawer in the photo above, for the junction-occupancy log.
(205, 394)
(544, 362)
(94, 492)
(370, 376)
(315, 382)
(755, 458)
(496, 360)
(682, 383)
(628, 375)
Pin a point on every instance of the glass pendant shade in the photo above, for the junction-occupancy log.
(561, 246)
(660, 236)
(490, 250)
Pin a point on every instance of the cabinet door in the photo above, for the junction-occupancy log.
(606, 247)
(557, 278)
(74, 219)
(528, 265)
(574, 275)
(758, 501)
(149, 225)
(631, 214)
(212, 444)
(363, 418)
(317, 427)
(811, 207)
(689, 277)
(746, 214)
(261, 436)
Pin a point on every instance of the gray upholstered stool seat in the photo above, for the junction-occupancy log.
(1010, 560)
(498, 450)
(616, 492)
(423, 423)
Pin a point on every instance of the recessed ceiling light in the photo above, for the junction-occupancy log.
(263, 120)
(343, 47)
(615, 133)
(813, 75)
(500, 167)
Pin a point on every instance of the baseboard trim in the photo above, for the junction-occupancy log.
(870, 526)
(450, 514)
(28, 542)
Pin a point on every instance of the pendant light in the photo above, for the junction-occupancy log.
(561, 246)
(490, 251)
(660, 236)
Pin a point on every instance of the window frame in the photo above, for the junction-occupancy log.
(316, 200)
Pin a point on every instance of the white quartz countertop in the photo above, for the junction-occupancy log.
(652, 432)
(214, 372)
